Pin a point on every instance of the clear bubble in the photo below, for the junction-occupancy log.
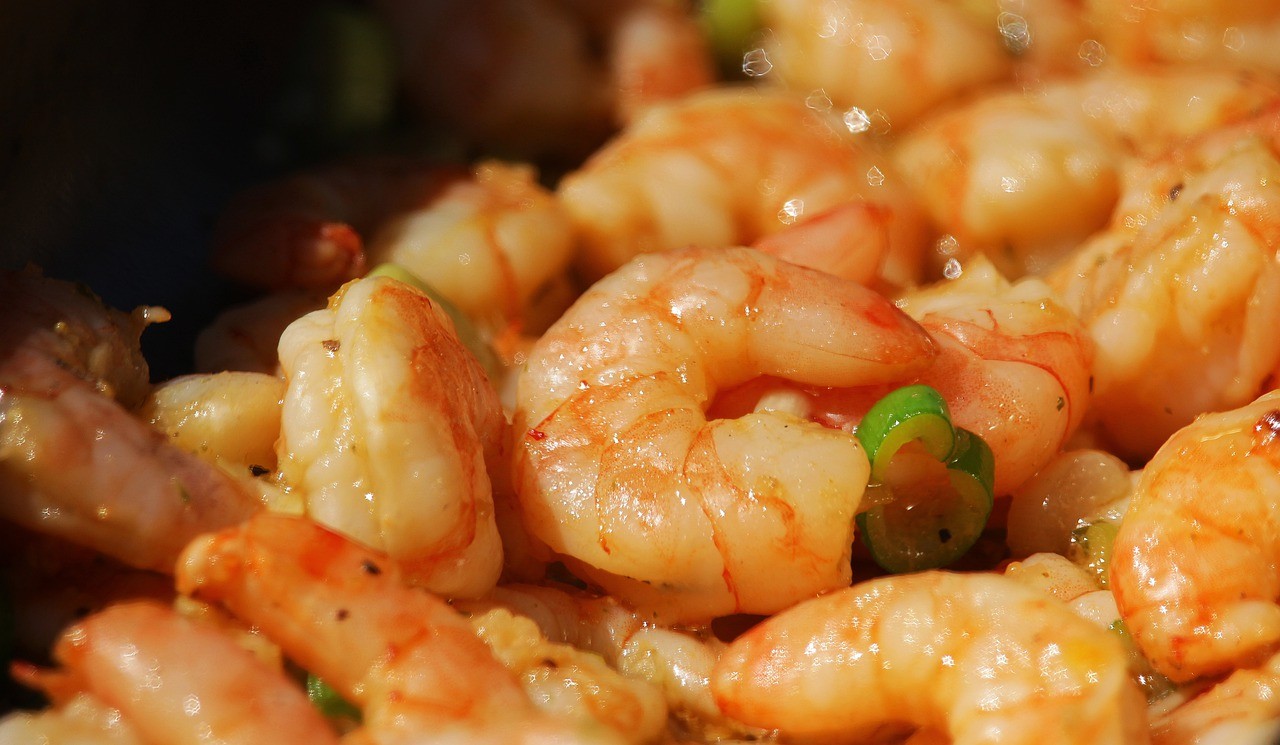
(792, 210)
(1233, 38)
(879, 47)
(1015, 32)
(818, 100)
(880, 124)
(952, 269)
(875, 176)
(1092, 52)
(857, 120)
(947, 245)
(756, 64)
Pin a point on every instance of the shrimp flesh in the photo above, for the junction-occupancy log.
(82, 720)
(618, 469)
(178, 681)
(1193, 564)
(1076, 487)
(542, 79)
(727, 167)
(411, 663)
(1182, 292)
(246, 337)
(1242, 709)
(891, 61)
(1203, 33)
(976, 657)
(389, 430)
(1025, 176)
(74, 462)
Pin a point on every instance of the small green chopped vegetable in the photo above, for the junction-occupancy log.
(1155, 685)
(1091, 549)
(932, 520)
(730, 26)
(468, 334)
(328, 701)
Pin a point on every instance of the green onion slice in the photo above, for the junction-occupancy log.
(1091, 549)
(328, 701)
(468, 334)
(730, 26)
(932, 523)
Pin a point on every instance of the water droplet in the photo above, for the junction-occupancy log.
(1092, 52)
(856, 120)
(1015, 32)
(875, 176)
(1233, 38)
(1010, 184)
(952, 269)
(947, 245)
(791, 211)
(818, 100)
(756, 64)
(879, 47)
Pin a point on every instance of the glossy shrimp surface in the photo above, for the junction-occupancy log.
(71, 373)
(619, 468)
(977, 658)
(1193, 561)
(388, 427)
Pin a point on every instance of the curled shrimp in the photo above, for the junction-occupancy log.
(1182, 291)
(389, 429)
(1203, 33)
(1241, 709)
(71, 371)
(542, 78)
(727, 167)
(1025, 176)
(618, 468)
(978, 658)
(888, 62)
(411, 663)
(246, 337)
(488, 240)
(81, 720)
(178, 681)
(1193, 564)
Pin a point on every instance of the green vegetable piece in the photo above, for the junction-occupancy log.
(914, 412)
(328, 701)
(468, 334)
(1155, 685)
(1091, 549)
(730, 26)
(911, 535)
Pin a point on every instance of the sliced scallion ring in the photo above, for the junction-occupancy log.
(468, 334)
(931, 524)
(328, 701)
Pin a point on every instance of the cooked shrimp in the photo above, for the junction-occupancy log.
(82, 720)
(246, 337)
(1182, 292)
(978, 658)
(489, 241)
(894, 60)
(619, 469)
(1025, 176)
(341, 611)
(728, 167)
(542, 78)
(74, 462)
(1203, 33)
(1193, 565)
(178, 681)
(1076, 487)
(1243, 709)
(850, 241)
(231, 418)
(389, 428)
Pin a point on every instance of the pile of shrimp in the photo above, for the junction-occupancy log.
(557, 440)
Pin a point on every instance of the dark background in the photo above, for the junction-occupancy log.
(124, 127)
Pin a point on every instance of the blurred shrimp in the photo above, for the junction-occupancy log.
(849, 241)
(1242, 709)
(618, 468)
(1202, 33)
(890, 62)
(542, 79)
(81, 720)
(178, 681)
(246, 337)
(411, 663)
(1193, 567)
(1182, 292)
(977, 658)
(1025, 176)
(489, 240)
(1075, 488)
(74, 461)
(389, 430)
(727, 167)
